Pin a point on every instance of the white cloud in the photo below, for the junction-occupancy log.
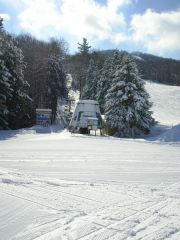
(5, 16)
(39, 17)
(78, 19)
(158, 32)
(114, 5)
(88, 18)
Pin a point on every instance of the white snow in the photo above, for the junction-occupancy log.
(138, 58)
(166, 101)
(170, 135)
(60, 186)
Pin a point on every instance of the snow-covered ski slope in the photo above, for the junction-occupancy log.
(58, 186)
(166, 101)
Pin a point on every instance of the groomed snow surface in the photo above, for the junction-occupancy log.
(58, 186)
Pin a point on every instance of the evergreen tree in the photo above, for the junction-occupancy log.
(104, 82)
(18, 103)
(1, 24)
(82, 61)
(25, 112)
(56, 82)
(127, 102)
(84, 47)
(5, 89)
(90, 88)
(5, 92)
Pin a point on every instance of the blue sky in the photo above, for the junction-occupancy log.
(151, 26)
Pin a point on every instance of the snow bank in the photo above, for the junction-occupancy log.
(37, 129)
(14, 181)
(171, 135)
(50, 129)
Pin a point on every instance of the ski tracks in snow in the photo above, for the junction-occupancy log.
(94, 211)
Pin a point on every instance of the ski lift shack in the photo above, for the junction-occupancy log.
(86, 117)
(43, 117)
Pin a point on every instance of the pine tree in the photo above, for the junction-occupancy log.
(84, 47)
(1, 24)
(56, 82)
(18, 102)
(82, 62)
(25, 113)
(104, 82)
(127, 102)
(5, 92)
(90, 88)
(5, 89)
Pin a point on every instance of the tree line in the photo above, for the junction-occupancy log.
(158, 69)
(14, 97)
(32, 75)
(121, 94)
